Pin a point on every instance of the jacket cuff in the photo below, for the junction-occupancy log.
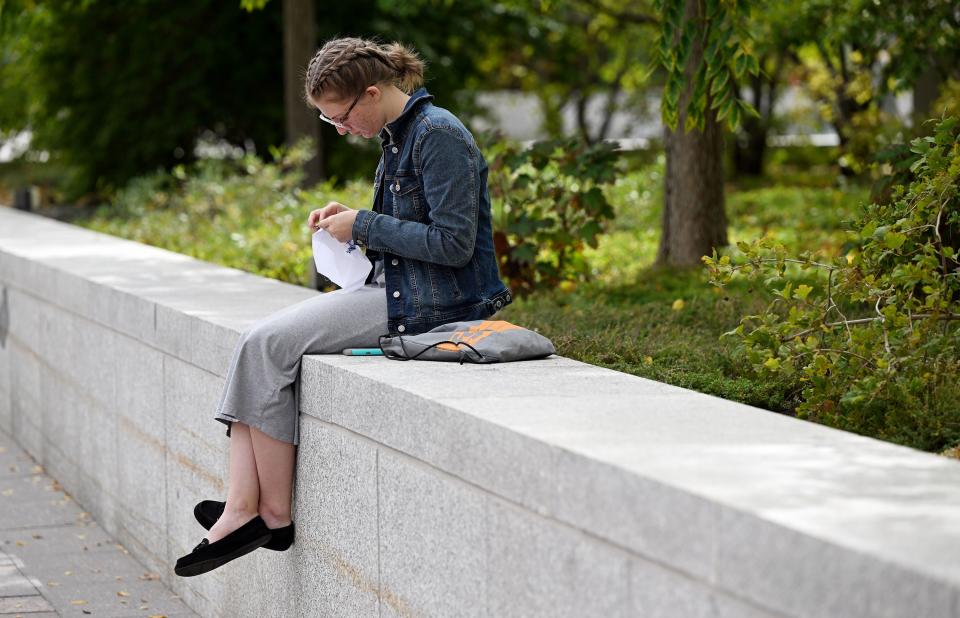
(361, 226)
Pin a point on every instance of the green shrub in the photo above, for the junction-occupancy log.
(873, 333)
(548, 205)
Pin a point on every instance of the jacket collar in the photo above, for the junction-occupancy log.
(395, 130)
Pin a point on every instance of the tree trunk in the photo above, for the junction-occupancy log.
(750, 145)
(299, 44)
(694, 221)
(925, 92)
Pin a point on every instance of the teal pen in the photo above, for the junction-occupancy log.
(363, 352)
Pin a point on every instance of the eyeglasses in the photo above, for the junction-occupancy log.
(342, 118)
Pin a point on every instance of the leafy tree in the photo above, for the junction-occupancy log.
(775, 36)
(112, 90)
(704, 48)
(570, 52)
(854, 53)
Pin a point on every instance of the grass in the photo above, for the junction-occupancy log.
(640, 328)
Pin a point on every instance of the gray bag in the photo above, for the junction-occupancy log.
(477, 341)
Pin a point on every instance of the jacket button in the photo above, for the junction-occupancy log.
(396, 293)
(401, 328)
(394, 262)
(395, 150)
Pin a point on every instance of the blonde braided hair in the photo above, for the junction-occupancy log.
(344, 67)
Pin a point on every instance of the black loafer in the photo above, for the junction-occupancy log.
(208, 512)
(208, 556)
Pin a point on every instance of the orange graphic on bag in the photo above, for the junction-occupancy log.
(476, 333)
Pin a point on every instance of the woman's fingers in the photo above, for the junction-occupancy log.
(320, 214)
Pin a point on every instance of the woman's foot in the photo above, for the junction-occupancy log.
(228, 522)
(207, 512)
(209, 555)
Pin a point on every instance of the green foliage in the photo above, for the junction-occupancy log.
(250, 215)
(548, 204)
(113, 90)
(873, 334)
(244, 214)
(723, 61)
(568, 52)
(850, 54)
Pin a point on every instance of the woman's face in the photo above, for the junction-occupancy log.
(356, 115)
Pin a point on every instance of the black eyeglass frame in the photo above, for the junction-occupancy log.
(342, 118)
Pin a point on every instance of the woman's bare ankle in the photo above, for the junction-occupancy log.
(228, 522)
(274, 518)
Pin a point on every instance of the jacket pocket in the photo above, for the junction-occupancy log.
(448, 288)
(407, 198)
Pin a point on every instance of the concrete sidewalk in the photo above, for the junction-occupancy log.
(56, 561)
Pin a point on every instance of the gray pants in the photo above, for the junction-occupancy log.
(262, 388)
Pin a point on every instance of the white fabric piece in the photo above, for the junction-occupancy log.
(341, 262)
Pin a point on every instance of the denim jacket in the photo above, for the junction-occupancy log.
(431, 222)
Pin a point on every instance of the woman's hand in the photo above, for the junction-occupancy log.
(339, 225)
(320, 214)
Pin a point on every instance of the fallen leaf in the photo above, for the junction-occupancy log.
(78, 602)
(68, 572)
(37, 536)
(20, 544)
(123, 593)
(53, 584)
(37, 470)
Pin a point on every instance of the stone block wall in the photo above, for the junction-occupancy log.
(547, 488)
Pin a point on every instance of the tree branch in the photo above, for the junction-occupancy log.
(919, 316)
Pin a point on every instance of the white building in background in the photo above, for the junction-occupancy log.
(518, 115)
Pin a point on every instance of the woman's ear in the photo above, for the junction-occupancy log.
(375, 92)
